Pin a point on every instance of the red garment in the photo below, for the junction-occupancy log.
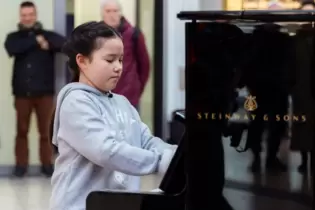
(136, 65)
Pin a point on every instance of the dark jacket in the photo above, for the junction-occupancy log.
(136, 64)
(33, 69)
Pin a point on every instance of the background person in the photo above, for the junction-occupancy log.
(33, 49)
(136, 64)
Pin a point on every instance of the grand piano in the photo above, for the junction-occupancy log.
(271, 53)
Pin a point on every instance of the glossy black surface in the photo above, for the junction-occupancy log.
(174, 180)
(256, 50)
(132, 201)
(250, 15)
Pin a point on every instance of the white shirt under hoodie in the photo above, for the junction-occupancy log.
(102, 144)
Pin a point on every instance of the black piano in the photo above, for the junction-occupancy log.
(271, 54)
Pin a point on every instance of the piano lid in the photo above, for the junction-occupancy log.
(250, 15)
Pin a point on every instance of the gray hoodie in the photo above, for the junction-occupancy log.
(102, 144)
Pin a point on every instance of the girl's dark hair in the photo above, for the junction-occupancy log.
(84, 39)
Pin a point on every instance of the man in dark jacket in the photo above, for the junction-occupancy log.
(33, 49)
(136, 63)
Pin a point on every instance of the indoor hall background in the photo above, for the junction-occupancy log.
(33, 193)
(54, 15)
(10, 12)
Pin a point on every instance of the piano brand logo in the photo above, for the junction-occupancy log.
(250, 103)
(247, 114)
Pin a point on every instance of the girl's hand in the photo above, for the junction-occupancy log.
(165, 161)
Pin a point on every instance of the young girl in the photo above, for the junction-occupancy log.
(102, 142)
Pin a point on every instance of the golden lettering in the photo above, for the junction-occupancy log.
(220, 116)
(286, 118)
(278, 118)
(295, 118)
(227, 116)
(303, 117)
(236, 116)
(213, 116)
(265, 117)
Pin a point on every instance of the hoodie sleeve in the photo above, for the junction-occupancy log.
(148, 141)
(83, 128)
(152, 143)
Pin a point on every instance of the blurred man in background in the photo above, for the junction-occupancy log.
(33, 49)
(136, 64)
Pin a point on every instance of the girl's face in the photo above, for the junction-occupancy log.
(104, 67)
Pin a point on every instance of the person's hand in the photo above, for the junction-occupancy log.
(40, 39)
(42, 42)
(44, 45)
(165, 161)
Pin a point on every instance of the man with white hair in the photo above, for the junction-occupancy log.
(136, 64)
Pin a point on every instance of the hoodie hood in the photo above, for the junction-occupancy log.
(64, 92)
